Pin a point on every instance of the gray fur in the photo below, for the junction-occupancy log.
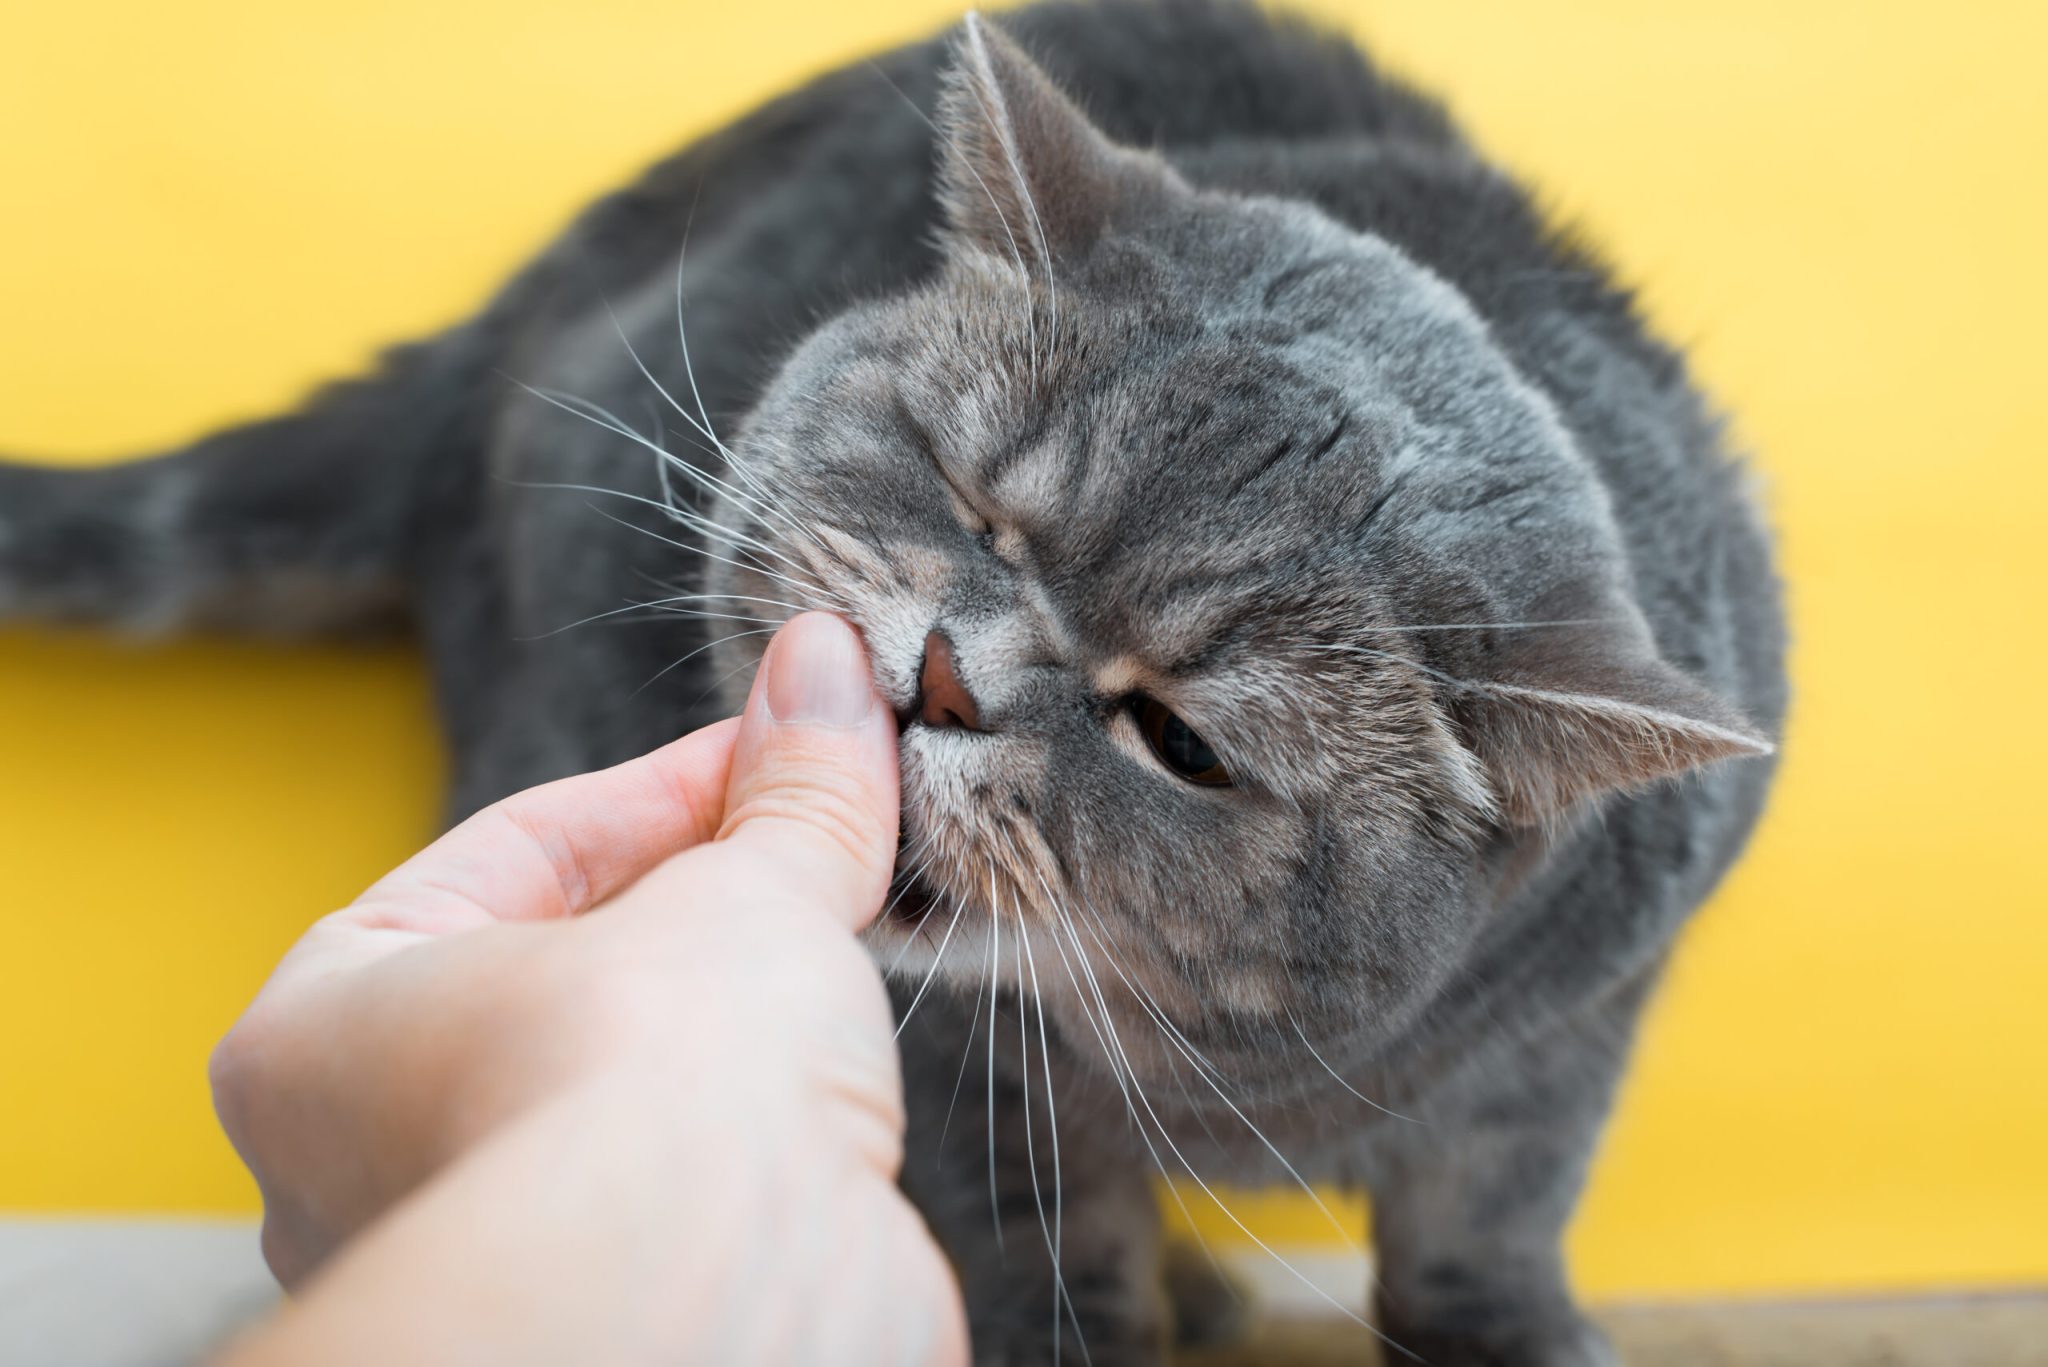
(1253, 390)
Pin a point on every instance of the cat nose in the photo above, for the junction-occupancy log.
(942, 700)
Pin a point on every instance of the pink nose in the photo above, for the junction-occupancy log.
(942, 699)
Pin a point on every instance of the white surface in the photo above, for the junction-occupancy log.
(125, 1293)
(1301, 1283)
(165, 1293)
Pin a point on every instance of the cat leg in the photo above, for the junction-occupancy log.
(1469, 1208)
(1108, 1290)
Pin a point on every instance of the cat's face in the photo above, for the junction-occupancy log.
(1150, 507)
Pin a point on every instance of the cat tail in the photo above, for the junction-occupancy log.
(294, 525)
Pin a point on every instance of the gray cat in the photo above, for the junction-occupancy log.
(1318, 615)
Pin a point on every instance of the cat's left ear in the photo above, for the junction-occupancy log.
(1024, 176)
(1569, 716)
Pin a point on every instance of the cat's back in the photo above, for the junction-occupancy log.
(1173, 73)
(829, 188)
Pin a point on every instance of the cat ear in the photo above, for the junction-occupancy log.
(1590, 716)
(1024, 176)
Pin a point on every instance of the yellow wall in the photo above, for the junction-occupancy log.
(206, 206)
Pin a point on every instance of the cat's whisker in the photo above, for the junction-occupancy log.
(644, 531)
(1173, 1036)
(1317, 1056)
(699, 614)
(1120, 1068)
(762, 491)
(703, 421)
(1159, 1017)
(694, 521)
(651, 613)
(1030, 1146)
(691, 438)
(771, 507)
(598, 416)
(1498, 626)
(653, 605)
(756, 494)
(708, 645)
(913, 865)
(1124, 1075)
(690, 519)
(1369, 653)
(1196, 1056)
(831, 599)
(668, 489)
(995, 950)
(711, 595)
(732, 536)
(726, 457)
(1192, 1054)
(1115, 1040)
(1246, 1230)
(647, 374)
(792, 561)
(1053, 1235)
(910, 866)
(966, 1053)
(827, 598)
(719, 682)
(837, 557)
(641, 365)
(930, 974)
(1194, 1107)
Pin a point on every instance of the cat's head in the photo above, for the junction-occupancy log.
(1233, 589)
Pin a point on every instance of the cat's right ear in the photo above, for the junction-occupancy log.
(1024, 177)
(1564, 717)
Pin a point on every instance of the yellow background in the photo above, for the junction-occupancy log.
(1841, 207)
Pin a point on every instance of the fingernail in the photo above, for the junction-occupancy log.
(818, 674)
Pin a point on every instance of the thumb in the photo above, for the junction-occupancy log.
(812, 796)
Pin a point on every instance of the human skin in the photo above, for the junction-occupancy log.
(602, 1075)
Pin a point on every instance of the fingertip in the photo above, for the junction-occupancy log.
(814, 770)
(816, 673)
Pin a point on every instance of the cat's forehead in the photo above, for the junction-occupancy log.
(1172, 456)
(1216, 462)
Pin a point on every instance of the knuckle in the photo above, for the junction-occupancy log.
(241, 1069)
(832, 811)
(563, 859)
(697, 807)
(287, 1248)
(227, 1075)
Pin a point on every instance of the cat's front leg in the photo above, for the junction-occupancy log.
(1097, 1209)
(1470, 1206)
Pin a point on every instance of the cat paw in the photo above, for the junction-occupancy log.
(1207, 1306)
(1040, 1354)
(1032, 1346)
(1554, 1343)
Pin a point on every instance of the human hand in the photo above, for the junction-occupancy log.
(664, 1126)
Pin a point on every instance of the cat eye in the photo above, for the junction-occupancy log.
(1177, 745)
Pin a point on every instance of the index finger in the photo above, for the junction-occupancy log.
(560, 848)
